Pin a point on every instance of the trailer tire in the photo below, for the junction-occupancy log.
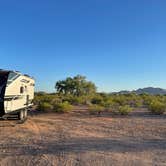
(25, 114)
(21, 115)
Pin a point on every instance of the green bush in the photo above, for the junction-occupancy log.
(138, 103)
(124, 110)
(76, 100)
(62, 107)
(96, 109)
(147, 99)
(120, 99)
(48, 98)
(44, 106)
(107, 103)
(97, 100)
(56, 100)
(116, 103)
(157, 107)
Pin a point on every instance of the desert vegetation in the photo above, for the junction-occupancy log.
(78, 91)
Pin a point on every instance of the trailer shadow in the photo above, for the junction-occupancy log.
(10, 121)
(7, 123)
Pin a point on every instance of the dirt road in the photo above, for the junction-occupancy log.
(82, 139)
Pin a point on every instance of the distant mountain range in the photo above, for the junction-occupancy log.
(148, 90)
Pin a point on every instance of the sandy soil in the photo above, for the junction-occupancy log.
(84, 140)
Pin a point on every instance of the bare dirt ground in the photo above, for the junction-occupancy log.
(82, 139)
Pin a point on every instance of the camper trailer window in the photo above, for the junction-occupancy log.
(21, 89)
(12, 77)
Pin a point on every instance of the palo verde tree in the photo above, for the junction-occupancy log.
(76, 86)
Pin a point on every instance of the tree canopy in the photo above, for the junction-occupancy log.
(76, 86)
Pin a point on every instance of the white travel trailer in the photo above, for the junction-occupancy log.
(16, 93)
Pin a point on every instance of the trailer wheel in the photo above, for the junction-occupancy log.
(21, 115)
(25, 114)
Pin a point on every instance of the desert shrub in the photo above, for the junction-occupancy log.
(96, 109)
(157, 107)
(97, 100)
(62, 107)
(43, 98)
(76, 100)
(44, 106)
(37, 99)
(84, 100)
(67, 98)
(134, 100)
(108, 104)
(124, 110)
(56, 100)
(120, 99)
(147, 99)
(138, 103)
(161, 98)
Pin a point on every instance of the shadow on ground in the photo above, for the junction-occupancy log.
(83, 145)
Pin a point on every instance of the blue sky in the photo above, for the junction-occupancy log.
(118, 44)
